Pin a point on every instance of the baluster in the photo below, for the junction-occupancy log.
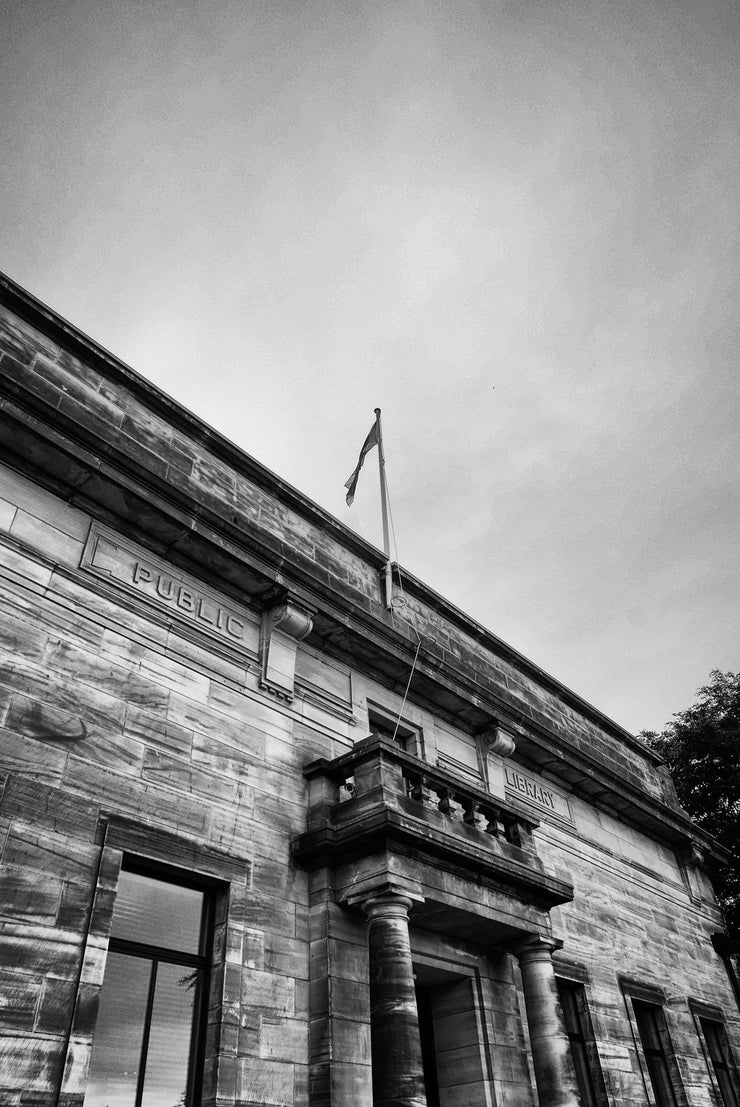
(470, 811)
(415, 787)
(519, 834)
(446, 796)
(495, 826)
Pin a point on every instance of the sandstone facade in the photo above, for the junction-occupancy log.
(497, 901)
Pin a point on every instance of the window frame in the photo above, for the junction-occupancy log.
(704, 1014)
(650, 997)
(228, 876)
(154, 955)
(409, 736)
(575, 982)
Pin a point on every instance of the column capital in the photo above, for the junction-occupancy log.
(390, 905)
(383, 892)
(535, 947)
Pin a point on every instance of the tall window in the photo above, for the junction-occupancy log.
(147, 1035)
(718, 1053)
(653, 1035)
(582, 1047)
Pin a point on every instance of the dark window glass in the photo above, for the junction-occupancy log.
(719, 1055)
(573, 1001)
(652, 1033)
(145, 1044)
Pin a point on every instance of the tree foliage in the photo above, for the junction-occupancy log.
(701, 747)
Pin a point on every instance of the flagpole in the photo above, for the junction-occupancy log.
(384, 508)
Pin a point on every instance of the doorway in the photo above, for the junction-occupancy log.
(450, 1037)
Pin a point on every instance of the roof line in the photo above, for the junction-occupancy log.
(39, 314)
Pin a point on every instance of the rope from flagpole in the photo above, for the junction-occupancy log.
(408, 685)
(397, 605)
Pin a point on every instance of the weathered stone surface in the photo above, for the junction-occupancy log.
(130, 726)
(394, 1024)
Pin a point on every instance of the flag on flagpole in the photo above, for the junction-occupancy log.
(351, 484)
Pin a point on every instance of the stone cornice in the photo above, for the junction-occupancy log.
(92, 469)
(328, 845)
(59, 330)
(69, 337)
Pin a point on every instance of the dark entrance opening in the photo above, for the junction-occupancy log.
(428, 1049)
(451, 1049)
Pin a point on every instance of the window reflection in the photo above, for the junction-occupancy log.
(119, 1033)
(153, 987)
(169, 1037)
(157, 913)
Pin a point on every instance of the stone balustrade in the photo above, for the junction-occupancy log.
(379, 776)
(459, 801)
(414, 845)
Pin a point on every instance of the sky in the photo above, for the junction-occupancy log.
(513, 226)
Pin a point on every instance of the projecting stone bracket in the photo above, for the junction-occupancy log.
(282, 628)
(494, 740)
(692, 854)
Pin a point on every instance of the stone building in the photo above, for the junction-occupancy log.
(237, 869)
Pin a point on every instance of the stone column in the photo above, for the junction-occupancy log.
(553, 1064)
(398, 1072)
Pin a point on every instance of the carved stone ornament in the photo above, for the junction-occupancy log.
(693, 854)
(283, 627)
(495, 740)
(292, 620)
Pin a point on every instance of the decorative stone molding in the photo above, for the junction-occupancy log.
(282, 628)
(693, 854)
(381, 888)
(693, 866)
(496, 740)
(388, 905)
(535, 947)
(295, 621)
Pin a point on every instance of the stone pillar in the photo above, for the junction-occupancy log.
(398, 1072)
(553, 1064)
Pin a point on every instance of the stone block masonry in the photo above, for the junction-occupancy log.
(193, 659)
